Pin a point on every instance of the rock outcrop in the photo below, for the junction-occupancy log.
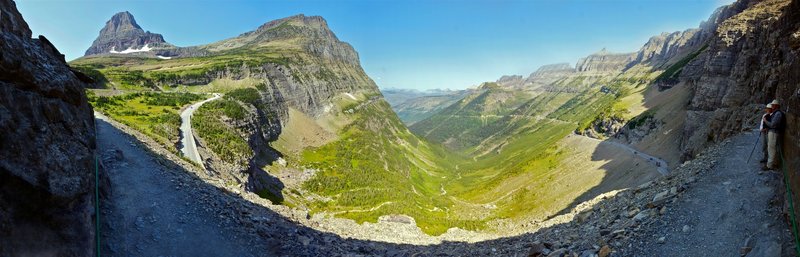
(753, 57)
(750, 60)
(660, 49)
(604, 61)
(123, 35)
(544, 76)
(47, 145)
(551, 69)
(547, 75)
(510, 80)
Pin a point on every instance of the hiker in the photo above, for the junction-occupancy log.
(774, 129)
(767, 116)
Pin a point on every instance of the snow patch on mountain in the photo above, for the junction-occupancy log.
(145, 48)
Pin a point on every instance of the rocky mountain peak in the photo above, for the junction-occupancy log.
(123, 35)
(317, 36)
(311, 33)
(604, 61)
(120, 22)
(11, 21)
(300, 25)
(509, 80)
(488, 85)
(316, 23)
(550, 68)
(667, 45)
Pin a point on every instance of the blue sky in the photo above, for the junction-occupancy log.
(402, 44)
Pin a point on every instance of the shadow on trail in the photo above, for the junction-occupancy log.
(160, 208)
(630, 169)
(623, 169)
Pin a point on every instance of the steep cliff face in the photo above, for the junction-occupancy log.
(604, 61)
(123, 35)
(510, 80)
(749, 62)
(551, 69)
(46, 148)
(544, 76)
(547, 75)
(659, 49)
(308, 81)
(753, 57)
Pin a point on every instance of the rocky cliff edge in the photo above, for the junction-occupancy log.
(46, 147)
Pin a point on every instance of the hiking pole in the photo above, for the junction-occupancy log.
(754, 147)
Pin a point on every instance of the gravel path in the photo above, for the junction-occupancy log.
(731, 208)
(151, 214)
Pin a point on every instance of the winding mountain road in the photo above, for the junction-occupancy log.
(661, 165)
(188, 144)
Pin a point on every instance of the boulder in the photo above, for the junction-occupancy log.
(47, 148)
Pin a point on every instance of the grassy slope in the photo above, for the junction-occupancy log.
(131, 72)
(212, 122)
(516, 153)
(510, 152)
(371, 172)
(461, 125)
(156, 115)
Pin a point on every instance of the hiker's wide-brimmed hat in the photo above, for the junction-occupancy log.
(775, 102)
(769, 106)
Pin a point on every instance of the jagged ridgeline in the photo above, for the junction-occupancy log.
(301, 124)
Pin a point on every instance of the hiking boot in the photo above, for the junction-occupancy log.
(765, 168)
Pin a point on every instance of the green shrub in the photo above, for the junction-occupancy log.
(641, 119)
(245, 95)
(170, 99)
(675, 69)
(223, 140)
(226, 107)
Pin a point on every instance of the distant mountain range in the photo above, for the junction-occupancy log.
(413, 105)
